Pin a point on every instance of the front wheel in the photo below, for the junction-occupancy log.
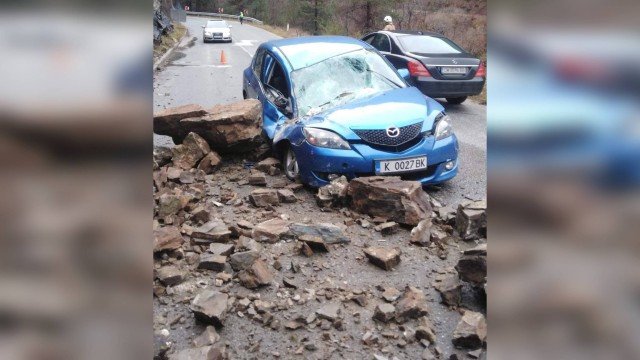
(456, 100)
(291, 169)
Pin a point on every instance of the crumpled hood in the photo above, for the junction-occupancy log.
(398, 107)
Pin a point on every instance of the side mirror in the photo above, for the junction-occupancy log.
(405, 74)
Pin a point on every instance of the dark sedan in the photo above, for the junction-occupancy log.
(438, 67)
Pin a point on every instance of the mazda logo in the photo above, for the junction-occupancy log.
(393, 131)
(454, 61)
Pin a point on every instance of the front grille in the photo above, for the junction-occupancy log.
(380, 137)
(217, 34)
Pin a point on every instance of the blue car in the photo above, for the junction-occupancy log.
(334, 106)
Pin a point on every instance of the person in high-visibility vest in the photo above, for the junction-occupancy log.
(241, 17)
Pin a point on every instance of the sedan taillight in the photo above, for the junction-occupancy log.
(482, 70)
(417, 69)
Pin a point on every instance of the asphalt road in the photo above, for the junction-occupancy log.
(194, 74)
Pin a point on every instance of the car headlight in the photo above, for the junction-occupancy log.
(443, 128)
(325, 138)
(207, 33)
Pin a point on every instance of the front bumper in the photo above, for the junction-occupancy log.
(315, 163)
(449, 88)
(216, 37)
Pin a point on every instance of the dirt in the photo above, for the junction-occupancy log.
(339, 274)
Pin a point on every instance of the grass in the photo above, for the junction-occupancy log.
(168, 41)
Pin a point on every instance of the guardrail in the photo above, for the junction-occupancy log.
(223, 16)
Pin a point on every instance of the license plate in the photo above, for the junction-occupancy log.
(454, 70)
(400, 166)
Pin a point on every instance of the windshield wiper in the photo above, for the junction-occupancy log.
(343, 94)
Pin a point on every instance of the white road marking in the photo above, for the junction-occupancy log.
(242, 43)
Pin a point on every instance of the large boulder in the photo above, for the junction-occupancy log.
(390, 197)
(167, 121)
(234, 127)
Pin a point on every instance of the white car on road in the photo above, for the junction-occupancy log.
(216, 30)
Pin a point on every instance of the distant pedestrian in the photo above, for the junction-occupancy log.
(389, 24)
(241, 17)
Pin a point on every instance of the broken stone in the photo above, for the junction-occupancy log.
(391, 294)
(192, 149)
(212, 231)
(242, 260)
(170, 275)
(471, 331)
(271, 230)
(387, 228)
(212, 352)
(187, 177)
(384, 312)
(385, 258)
(210, 307)
(167, 238)
(256, 275)
(247, 244)
(200, 215)
(264, 197)
(314, 242)
(401, 201)
(330, 234)
(257, 178)
(473, 269)
(421, 234)
(293, 325)
(269, 166)
(212, 262)
(166, 121)
(450, 290)
(475, 354)
(208, 337)
(169, 204)
(424, 331)
(209, 162)
(290, 283)
(305, 250)
(471, 220)
(221, 249)
(334, 194)
(287, 196)
(412, 304)
(360, 300)
(329, 311)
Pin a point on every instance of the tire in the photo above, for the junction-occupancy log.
(456, 100)
(290, 164)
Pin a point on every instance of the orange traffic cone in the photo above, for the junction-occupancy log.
(223, 58)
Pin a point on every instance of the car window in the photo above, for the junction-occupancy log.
(369, 39)
(274, 75)
(216, 24)
(381, 42)
(257, 62)
(429, 45)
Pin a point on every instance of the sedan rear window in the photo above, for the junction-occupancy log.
(429, 45)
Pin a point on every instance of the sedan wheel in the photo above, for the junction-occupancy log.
(291, 165)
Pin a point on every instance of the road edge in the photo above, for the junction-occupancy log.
(169, 52)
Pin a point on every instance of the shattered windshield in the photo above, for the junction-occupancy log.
(342, 79)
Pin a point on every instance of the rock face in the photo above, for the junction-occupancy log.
(234, 127)
(471, 220)
(210, 307)
(471, 331)
(472, 266)
(390, 197)
(167, 238)
(192, 149)
(385, 258)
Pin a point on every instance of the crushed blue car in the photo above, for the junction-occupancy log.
(335, 106)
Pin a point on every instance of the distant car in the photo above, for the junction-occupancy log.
(333, 106)
(438, 67)
(216, 30)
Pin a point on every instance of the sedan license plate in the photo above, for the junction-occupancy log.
(400, 166)
(454, 70)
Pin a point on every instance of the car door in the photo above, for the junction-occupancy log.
(253, 81)
(273, 76)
